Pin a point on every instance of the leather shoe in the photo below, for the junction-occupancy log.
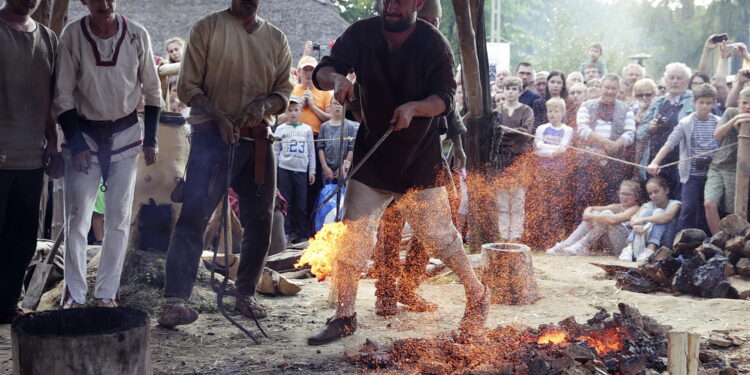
(176, 315)
(475, 315)
(416, 303)
(249, 307)
(334, 330)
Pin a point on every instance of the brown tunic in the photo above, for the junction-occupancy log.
(422, 67)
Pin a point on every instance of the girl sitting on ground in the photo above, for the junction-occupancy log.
(654, 224)
(611, 220)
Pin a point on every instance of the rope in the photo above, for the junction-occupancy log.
(605, 156)
(318, 140)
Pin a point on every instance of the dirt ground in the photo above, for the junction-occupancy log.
(570, 286)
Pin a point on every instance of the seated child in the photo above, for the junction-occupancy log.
(654, 223)
(611, 220)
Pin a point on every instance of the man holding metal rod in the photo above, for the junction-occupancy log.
(405, 70)
(235, 76)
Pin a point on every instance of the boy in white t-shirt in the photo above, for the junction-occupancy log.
(552, 139)
(295, 162)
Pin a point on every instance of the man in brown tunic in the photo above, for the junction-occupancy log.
(404, 67)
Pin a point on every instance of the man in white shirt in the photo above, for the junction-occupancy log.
(105, 67)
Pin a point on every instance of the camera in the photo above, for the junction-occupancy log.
(316, 46)
(747, 74)
(720, 38)
(661, 121)
(732, 48)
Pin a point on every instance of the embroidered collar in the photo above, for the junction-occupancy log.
(95, 49)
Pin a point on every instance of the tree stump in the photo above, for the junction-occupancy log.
(508, 271)
(99, 340)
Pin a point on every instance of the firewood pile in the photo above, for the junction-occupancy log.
(698, 265)
(625, 342)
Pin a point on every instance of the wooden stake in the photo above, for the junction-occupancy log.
(59, 16)
(683, 353)
(742, 182)
(677, 353)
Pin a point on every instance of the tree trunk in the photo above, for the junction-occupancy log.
(742, 182)
(508, 271)
(469, 62)
(81, 342)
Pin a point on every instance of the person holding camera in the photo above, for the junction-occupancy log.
(662, 117)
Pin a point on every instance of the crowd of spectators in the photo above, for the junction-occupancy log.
(595, 137)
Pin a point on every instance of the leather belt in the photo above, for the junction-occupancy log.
(259, 134)
(102, 133)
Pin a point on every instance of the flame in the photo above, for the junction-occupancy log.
(554, 337)
(608, 341)
(322, 250)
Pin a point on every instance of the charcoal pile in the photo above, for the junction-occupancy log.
(698, 265)
(624, 342)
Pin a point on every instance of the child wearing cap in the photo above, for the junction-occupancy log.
(295, 162)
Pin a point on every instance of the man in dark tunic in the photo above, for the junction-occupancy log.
(404, 68)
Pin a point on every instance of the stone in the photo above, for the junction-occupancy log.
(706, 356)
(728, 371)
(434, 368)
(743, 267)
(720, 339)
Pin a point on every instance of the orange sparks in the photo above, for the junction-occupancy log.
(555, 337)
(322, 250)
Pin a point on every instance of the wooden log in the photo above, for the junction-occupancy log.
(284, 260)
(734, 225)
(683, 350)
(687, 240)
(735, 244)
(742, 180)
(81, 342)
(508, 272)
(469, 60)
(693, 353)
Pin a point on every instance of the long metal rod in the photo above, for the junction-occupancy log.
(341, 158)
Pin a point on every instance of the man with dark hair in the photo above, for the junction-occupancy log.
(235, 76)
(105, 68)
(405, 69)
(397, 282)
(27, 66)
(525, 72)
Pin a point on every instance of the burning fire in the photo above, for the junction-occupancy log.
(322, 250)
(608, 341)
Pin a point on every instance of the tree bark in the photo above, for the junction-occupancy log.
(469, 61)
(42, 12)
(59, 16)
(742, 182)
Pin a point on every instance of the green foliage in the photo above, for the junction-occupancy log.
(553, 35)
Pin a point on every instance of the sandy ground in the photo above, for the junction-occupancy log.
(570, 286)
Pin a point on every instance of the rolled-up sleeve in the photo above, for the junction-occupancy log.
(676, 135)
(193, 66)
(441, 82)
(66, 73)
(583, 119)
(150, 85)
(628, 137)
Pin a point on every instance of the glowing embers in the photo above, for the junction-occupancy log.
(608, 340)
(323, 249)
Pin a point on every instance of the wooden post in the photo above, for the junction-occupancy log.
(508, 271)
(165, 72)
(469, 61)
(742, 182)
(683, 349)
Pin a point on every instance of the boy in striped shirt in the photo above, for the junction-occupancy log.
(694, 134)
